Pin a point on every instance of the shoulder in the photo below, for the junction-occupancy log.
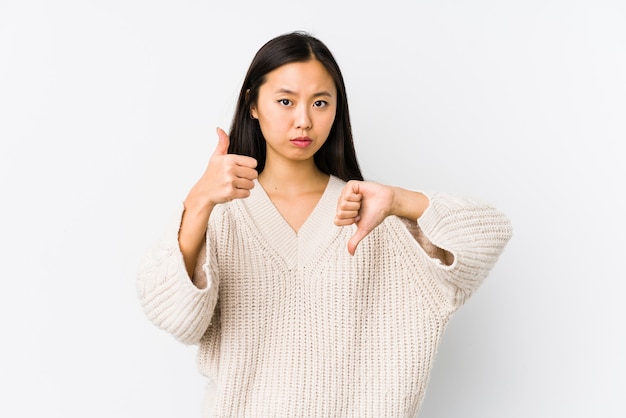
(333, 191)
(335, 185)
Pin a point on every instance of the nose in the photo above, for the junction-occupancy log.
(303, 118)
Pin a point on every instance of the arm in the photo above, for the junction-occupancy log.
(168, 296)
(367, 204)
(227, 177)
(465, 235)
(176, 285)
(410, 206)
(191, 237)
(473, 231)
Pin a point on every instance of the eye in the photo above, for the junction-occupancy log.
(320, 103)
(284, 102)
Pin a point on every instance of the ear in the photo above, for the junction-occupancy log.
(252, 111)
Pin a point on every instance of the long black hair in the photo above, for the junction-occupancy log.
(337, 156)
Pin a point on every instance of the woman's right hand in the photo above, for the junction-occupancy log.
(227, 177)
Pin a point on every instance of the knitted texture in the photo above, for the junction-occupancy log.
(291, 325)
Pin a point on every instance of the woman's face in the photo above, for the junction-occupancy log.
(296, 109)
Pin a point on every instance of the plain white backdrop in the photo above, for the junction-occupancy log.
(108, 112)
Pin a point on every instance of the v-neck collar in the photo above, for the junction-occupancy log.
(295, 248)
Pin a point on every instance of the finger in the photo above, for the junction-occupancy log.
(348, 210)
(354, 241)
(244, 172)
(223, 141)
(345, 205)
(347, 214)
(351, 203)
(237, 189)
(354, 186)
(243, 184)
(350, 194)
(243, 161)
(345, 221)
(234, 194)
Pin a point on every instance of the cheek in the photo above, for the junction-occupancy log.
(328, 121)
(272, 123)
(273, 126)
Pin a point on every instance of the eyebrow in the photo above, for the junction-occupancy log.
(318, 94)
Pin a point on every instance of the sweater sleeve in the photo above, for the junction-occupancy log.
(166, 292)
(474, 232)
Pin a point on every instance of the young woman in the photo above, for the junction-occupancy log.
(310, 292)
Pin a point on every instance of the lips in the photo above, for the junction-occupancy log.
(301, 142)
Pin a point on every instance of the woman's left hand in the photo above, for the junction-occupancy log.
(365, 204)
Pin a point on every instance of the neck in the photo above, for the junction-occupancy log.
(293, 178)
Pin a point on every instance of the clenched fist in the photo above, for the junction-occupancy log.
(365, 204)
(227, 177)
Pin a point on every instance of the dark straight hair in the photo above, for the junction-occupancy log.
(337, 156)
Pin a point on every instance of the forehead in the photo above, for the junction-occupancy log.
(300, 77)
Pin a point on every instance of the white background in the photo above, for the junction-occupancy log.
(108, 112)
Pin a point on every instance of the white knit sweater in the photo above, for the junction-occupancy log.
(291, 325)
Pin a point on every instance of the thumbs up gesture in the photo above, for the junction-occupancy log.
(227, 176)
(365, 204)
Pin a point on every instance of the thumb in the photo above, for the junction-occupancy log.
(222, 143)
(356, 239)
